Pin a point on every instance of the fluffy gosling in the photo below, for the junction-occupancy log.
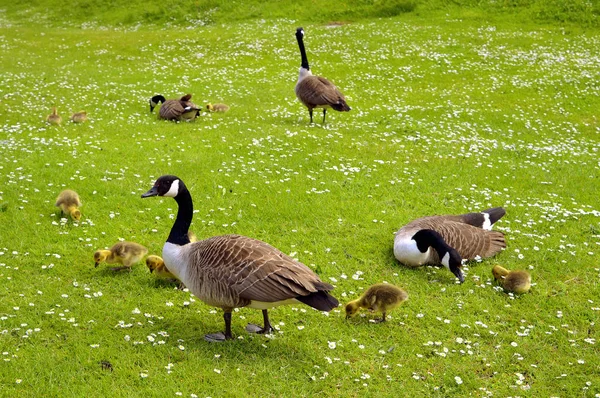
(79, 117)
(69, 203)
(217, 107)
(512, 281)
(126, 253)
(54, 118)
(381, 297)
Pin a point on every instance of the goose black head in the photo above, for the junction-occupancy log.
(453, 261)
(167, 185)
(299, 33)
(155, 101)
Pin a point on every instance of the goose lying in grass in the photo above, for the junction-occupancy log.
(217, 107)
(54, 118)
(381, 297)
(233, 271)
(316, 91)
(446, 240)
(79, 117)
(126, 253)
(182, 109)
(68, 201)
(512, 281)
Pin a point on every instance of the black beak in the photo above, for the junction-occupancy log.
(95, 265)
(458, 273)
(151, 270)
(152, 192)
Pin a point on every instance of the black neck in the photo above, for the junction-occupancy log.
(302, 52)
(426, 238)
(179, 231)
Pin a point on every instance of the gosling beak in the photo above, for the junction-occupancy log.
(152, 192)
(151, 270)
(96, 265)
(347, 316)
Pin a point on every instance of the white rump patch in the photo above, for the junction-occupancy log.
(174, 190)
(486, 222)
(446, 261)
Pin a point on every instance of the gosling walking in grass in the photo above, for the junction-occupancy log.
(381, 297)
(126, 253)
(68, 201)
(54, 118)
(217, 107)
(79, 117)
(512, 281)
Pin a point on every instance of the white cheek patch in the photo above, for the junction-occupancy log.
(486, 222)
(174, 190)
(446, 260)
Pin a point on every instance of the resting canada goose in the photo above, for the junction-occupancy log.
(217, 107)
(54, 118)
(232, 271)
(79, 117)
(316, 91)
(381, 297)
(512, 281)
(69, 203)
(448, 239)
(175, 109)
(126, 253)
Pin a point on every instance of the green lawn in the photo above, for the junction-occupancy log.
(452, 111)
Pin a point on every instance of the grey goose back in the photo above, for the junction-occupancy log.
(446, 240)
(233, 271)
(316, 91)
(175, 109)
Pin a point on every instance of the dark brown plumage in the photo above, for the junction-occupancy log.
(428, 240)
(176, 109)
(316, 91)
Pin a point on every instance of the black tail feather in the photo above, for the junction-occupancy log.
(495, 214)
(320, 300)
(479, 220)
(341, 106)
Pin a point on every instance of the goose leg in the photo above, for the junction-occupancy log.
(266, 329)
(220, 337)
(324, 113)
(310, 112)
(380, 320)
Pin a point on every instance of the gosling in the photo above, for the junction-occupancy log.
(69, 203)
(126, 253)
(217, 107)
(54, 118)
(79, 117)
(512, 281)
(381, 297)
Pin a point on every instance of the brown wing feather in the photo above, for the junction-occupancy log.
(468, 240)
(315, 91)
(244, 269)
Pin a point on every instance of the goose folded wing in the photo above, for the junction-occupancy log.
(471, 241)
(320, 91)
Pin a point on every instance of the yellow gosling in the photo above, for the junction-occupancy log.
(69, 203)
(381, 297)
(126, 253)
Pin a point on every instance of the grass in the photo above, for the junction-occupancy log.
(450, 114)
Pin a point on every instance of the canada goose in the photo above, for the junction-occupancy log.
(79, 117)
(316, 91)
(69, 203)
(126, 253)
(381, 297)
(217, 107)
(452, 238)
(512, 281)
(54, 118)
(175, 109)
(232, 271)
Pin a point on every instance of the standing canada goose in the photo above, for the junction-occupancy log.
(175, 109)
(381, 297)
(69, 203)
(512, 281)
(446, 240)
(316, 91)
(233, 271)
(217, 107)
(54, 118)
(126, 253)
(79, 117)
